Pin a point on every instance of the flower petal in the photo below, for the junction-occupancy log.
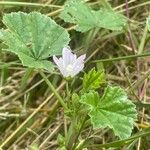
(77, 69)
(59, 63)
(79, 64)
(80, 60)
(68, 56)
(69, 64)
(56, 60)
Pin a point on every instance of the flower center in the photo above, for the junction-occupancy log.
(69, 68)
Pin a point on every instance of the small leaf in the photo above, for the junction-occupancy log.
(34, 37)
(79, 13)
(33, 147)
(61, 142)
(93, 79)
(112, 110)
(148, 23)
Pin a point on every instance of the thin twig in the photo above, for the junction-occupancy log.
(121, 58)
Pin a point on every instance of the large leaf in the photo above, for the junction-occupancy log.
(112, 110)
(34, 37)
(79, 13)
(93, 79)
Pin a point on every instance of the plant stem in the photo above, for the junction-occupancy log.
(67, 90)
(71, 134)
(28, 4)
(142, 43)
(121, 58)
(106, 4)
(54, 90)
(74, 132)
(136, 6)
(78, 134)
(130, 38)
(25, 77)
(140, 51)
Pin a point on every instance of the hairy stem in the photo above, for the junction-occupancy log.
(54, 90)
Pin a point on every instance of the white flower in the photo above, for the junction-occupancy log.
(69, 65)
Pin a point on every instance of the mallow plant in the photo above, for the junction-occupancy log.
(95, 104)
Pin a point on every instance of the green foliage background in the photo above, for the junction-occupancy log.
(27, 104)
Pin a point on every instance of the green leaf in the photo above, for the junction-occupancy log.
(112, 110)
(93, 79)
(61, 142)
(33, 147)
(79, 13)
(33, 63)
(34, 37)
(148, 23)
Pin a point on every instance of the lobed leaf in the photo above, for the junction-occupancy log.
(93, 79)
(112, 110)
(79, 13)
(34, 37)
